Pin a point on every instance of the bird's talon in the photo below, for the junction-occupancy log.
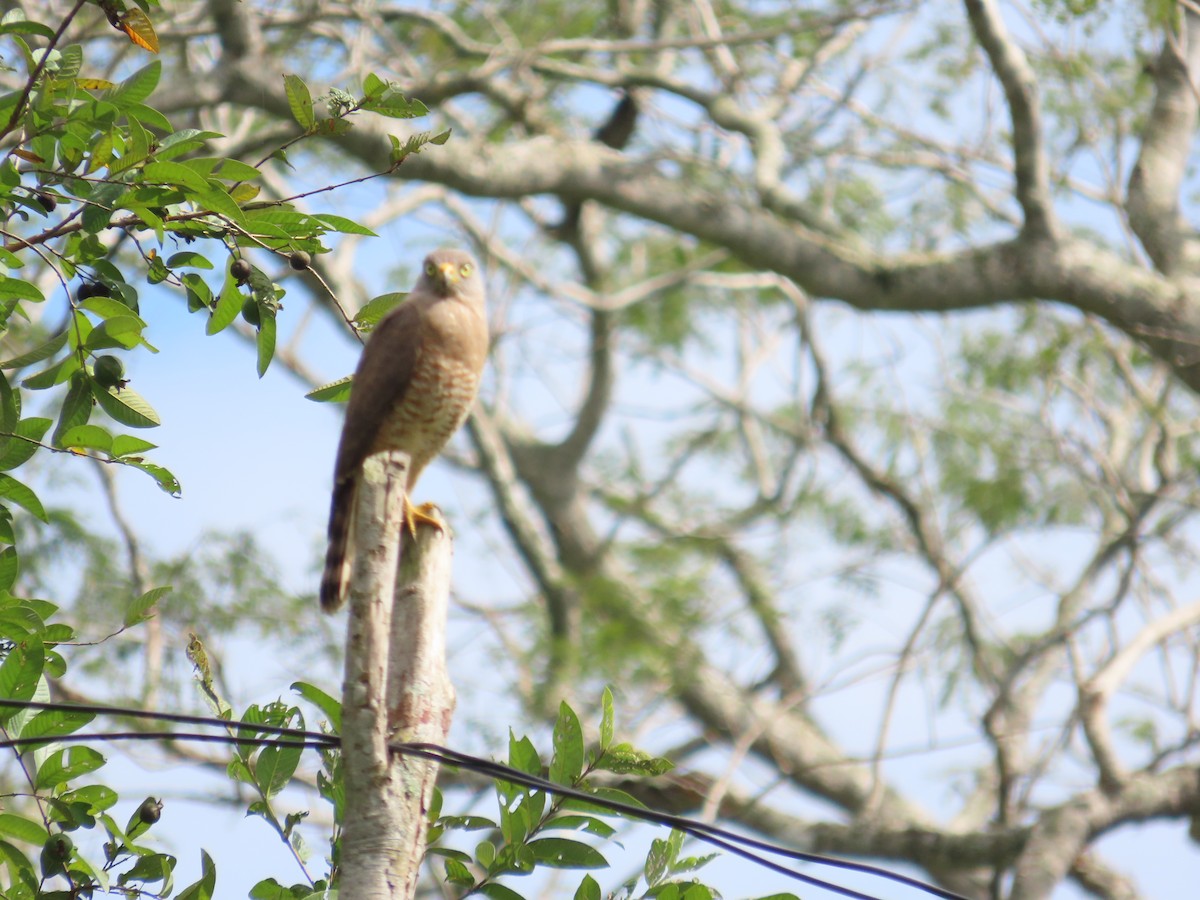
(425, 514)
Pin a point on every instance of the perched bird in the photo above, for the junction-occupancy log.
(413, 388)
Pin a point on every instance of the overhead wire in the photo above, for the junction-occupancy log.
(740, 845)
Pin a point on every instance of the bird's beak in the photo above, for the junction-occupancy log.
(448, 273)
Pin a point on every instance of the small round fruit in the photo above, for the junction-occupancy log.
(56, 853)
(251, 313)
(94, 289)
(240, 270)
(108, 371)
(300, 260)
(150, 811)
(47, 200)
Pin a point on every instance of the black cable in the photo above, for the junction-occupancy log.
(701, 830)
(739, 845)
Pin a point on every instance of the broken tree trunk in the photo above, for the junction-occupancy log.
(396, 687)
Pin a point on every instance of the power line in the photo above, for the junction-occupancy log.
(730, 841)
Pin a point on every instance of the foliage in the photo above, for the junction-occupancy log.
(102, 190)
(856, 431)
(98, 188)
(61, 797)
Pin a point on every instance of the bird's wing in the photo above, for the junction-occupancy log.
(384, 373)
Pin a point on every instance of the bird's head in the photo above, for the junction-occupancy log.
(448, 272)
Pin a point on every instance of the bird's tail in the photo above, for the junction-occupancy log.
(336, 577)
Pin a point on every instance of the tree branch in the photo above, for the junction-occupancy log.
(1020, 88)
(1152, 200)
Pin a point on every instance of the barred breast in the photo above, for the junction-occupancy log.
(430, 410)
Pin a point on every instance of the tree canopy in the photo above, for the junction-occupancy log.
(842, 401)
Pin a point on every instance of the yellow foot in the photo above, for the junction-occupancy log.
(425, 514)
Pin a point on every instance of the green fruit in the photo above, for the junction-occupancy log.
(94, 289)
(55, 854)
(240, 269)
(150, 811)
(299, 260)
(251, 313)
(108, 371)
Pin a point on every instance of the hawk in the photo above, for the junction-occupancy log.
(414, 386)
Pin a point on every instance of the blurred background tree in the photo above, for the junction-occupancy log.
(842, 411)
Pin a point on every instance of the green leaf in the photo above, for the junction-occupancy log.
(334, 392)
(217, 200)
(610, 794)
(154, 867)
(102, 153)
(119, 331)
(523, 756)
(22, 829)
(457, 873)
(333, 126)
(97, 797)
(465, 823)
(499, 892)
(76, 408)
(67, 764)
(16, 289)
(265, 342)
(198, 294)
(607, 719)
(9, 413)
(228, 306)
(485, 854)
(24, 27)
(137, 143)
(658, 861)
(10, 565)
(588, 889)
(376, 308)
(20, 870)
(163, 477)
(137, 87)
(52, 375)
(561, 853)
(567, 764)
(344, 225)
(36, 355)
(142, 607)
(12, 490)
(623, 759)
(89, 437)
(331, 707)
(589, 824)
(127, 444)
(189, 258)
(274, 767)
(99, 210)
(55, 723)
(175, 174)
(109, 308)
(185, 140)
(300, 101)
(236, 170)
(126, 406)
(19, 674)
(373, 86)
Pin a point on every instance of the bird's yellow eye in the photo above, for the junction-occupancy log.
(466, 270)
(430, 269)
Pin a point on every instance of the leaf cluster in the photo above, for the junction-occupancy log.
(40, 829)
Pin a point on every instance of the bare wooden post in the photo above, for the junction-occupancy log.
(420, 694)
(396, 687)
